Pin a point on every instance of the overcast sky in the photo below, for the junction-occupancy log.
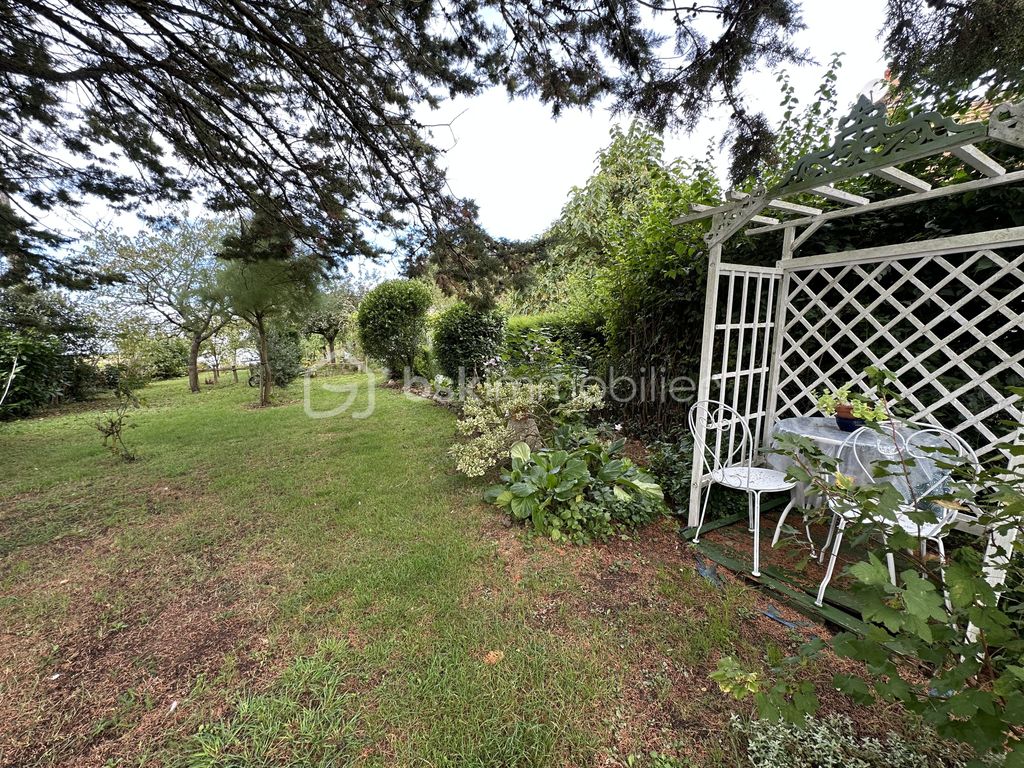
(519, 163)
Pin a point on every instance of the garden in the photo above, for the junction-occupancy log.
(706, 473)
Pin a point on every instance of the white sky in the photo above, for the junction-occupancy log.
(519, 163)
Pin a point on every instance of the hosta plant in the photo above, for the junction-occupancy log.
(580, 495)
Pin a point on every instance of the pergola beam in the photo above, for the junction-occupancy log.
(902, 178)
(777, 204)
(784, 205)
(893, 202)
(701, 211)
(831, 193)
(979, 161)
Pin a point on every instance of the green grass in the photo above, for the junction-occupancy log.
(265, 589)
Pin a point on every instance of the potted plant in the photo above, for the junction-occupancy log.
(851, 411)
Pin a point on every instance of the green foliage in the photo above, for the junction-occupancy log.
(57, 339)
(671, 461)
(112, 425)
(735, 679)
(332, 315)
(638, 274)
(392, 323)
(831, 741)
(259, 290)
(39, 369)
(465, 338)
(499, 413)
(578, 495)
(125, 380)
(972, 686)
(264, 281)
(168, 357)
(860, 406)
(284, 344)
(553, 345)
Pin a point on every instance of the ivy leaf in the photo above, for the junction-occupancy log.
(855, 688)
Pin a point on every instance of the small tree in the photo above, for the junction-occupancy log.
(392, 322)
(171, 272)
(264, 280)
(330, 318)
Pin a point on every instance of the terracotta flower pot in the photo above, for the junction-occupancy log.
(845, 419)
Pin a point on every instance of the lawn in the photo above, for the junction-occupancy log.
(263, 588)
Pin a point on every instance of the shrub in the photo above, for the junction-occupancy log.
(580, 495)
(539, 342)
(284, 346)
(831, 741)
(168, 357)
(392, 321)
(500, 413)
(671, 461)
(465, 337)
(40, 371)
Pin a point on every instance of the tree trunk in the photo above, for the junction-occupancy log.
(234, 371)
(266, 379)
(193, 362)
(330, 350)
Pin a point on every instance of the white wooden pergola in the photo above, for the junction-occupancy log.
(945, 315)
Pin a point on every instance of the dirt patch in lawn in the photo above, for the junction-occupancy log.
(124, 649)
(667, 629)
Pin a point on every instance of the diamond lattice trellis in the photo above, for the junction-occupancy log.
(948, 325)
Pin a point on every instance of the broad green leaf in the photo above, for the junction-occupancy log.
(523, 508)
(523, 489)
(491, 494)
(520, 451)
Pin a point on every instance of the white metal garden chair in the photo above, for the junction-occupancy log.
(932, 467)
(728, 461)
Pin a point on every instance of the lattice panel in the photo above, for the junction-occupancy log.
(949, 327)
(742, 349)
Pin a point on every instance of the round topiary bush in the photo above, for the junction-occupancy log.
(391, 320)
(465, 337)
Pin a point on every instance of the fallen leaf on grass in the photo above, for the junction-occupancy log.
(493, 657)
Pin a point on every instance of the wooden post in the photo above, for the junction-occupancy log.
(788, 236)
(704, 377)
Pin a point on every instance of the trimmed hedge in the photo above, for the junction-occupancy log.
(392, 321)
(581, 338)
(464, 338)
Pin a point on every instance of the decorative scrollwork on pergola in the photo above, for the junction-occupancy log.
(1007, 124)
(867, 141)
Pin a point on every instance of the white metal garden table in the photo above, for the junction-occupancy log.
(824, 433)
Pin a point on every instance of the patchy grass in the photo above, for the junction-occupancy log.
(262, 588)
